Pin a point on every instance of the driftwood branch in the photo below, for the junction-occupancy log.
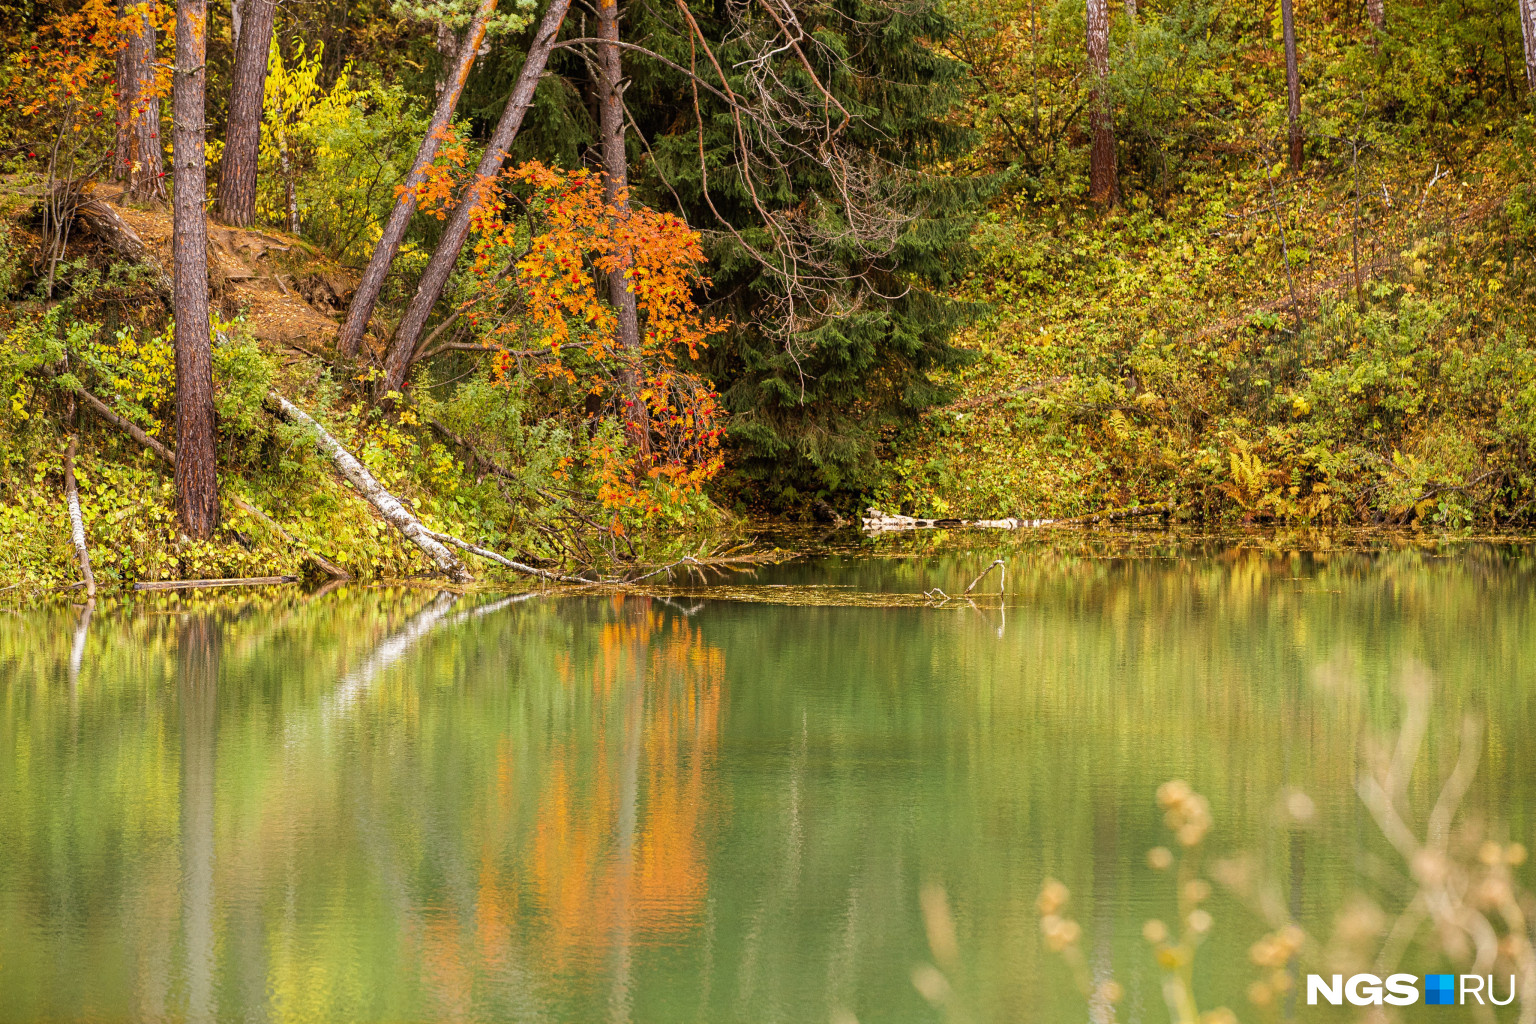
(880, 522)
(1002, 576)
(77, 521)
(396, 514)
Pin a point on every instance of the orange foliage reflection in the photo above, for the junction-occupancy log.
(604, 850)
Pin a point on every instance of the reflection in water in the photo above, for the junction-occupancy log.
(393, 805)
(198, 679)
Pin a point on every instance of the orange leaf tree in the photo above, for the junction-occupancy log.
(57, 84)
(541, 240)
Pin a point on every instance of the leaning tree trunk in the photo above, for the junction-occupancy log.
(242, 132)
(197, 485)
(139, 165)
(1292, 83)
(1103, 177)
(350, 339)
(390, 507)
(610, 88)
(1528, 33)
(402, 349)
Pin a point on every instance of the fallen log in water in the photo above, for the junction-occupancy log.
(880, 522)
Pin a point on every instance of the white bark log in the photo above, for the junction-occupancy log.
(77, 521)
(880, 522)
(388, 505)
(492, 556)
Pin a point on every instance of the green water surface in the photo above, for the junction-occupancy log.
(396, 805)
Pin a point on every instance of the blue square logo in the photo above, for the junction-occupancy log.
(1439, 989)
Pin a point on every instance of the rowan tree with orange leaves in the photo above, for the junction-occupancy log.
(545, 242)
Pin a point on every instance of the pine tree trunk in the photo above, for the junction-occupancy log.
(1376, 10)
(139, 165)
(610, 88)
(242, 132)
(197, 485)
(449, 46)
(1528, 33)
(360, 311)
(1103, 175)
(1292, 83)
(456, 232)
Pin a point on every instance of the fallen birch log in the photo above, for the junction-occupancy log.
(133, 430)
(396, 514)
(502, 560)
(77, 521)
(880, 522)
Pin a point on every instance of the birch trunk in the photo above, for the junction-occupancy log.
(1376, 10)
(403, 349)
(1528, 33)
(637, 418)
(388, 505)
(139, 164)
(77, 521)
(1103, 174)
(1292, 82)
(350, 339)
(197, 484)
(242, 132)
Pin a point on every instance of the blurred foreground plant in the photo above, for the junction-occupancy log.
(1453, 898)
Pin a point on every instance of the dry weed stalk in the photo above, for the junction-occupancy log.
(1454, 890)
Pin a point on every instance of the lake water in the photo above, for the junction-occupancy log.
(814, 795)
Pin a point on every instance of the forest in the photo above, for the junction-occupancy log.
(382, 288)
